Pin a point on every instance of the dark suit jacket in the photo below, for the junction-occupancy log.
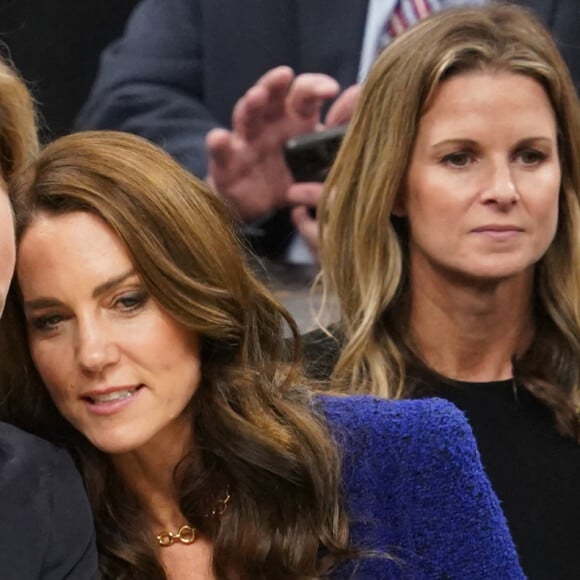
(182, 64)
(46, 527)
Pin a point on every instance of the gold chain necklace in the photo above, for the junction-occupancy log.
(187, 534)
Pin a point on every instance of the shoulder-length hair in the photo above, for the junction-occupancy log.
(254, 430)
(364, 247)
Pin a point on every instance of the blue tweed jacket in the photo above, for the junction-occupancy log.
(416, 492)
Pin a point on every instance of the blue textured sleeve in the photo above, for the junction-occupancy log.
(150, 82)
(416, 492)
(456, 515)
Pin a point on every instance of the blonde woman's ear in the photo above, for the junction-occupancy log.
(400, 205)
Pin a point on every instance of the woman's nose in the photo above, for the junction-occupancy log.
(96, 348)
(501, 188)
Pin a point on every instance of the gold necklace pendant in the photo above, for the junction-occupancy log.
(185, 534)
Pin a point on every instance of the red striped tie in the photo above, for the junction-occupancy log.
(405, 14)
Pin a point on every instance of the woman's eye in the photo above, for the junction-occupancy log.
(47, 322)
(531, 156)
(132, 301)
(458, 159)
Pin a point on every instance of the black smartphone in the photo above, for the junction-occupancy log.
(310, 156)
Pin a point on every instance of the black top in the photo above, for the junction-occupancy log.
(534, 471)
(46, 527)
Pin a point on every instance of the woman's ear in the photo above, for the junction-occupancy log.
(400, 206)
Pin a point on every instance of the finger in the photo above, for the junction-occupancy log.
(307, 227)
(309, 92)
(248, 113)
(342, 110)
(308, 194)
(219, 145)
(277, 76)
(276, 83)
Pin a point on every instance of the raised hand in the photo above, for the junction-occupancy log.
(247, 163)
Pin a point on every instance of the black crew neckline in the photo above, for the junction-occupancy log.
(499, 384)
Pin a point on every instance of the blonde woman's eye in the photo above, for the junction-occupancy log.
(458, 159)
(532, 156)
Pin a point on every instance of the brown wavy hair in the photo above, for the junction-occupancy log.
(364, 247)
(253, 428)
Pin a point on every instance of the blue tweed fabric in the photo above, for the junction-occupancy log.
(416, 492)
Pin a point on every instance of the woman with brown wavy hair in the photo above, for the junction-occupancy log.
(138, 337)
(452, 244)
(46, 527)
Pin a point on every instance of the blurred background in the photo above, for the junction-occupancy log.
(55, 44)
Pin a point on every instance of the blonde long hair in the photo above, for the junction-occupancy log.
(364, 247)
(253, 422)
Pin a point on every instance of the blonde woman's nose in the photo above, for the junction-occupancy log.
(501, 188)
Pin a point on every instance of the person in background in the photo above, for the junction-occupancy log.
(184, 68)
(152, 349)
(46, 528)
(248, 159)
(450, 240)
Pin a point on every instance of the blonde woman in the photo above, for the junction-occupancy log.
(451, 241)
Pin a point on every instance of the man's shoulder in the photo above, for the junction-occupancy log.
(46, 526)
(26, 457)
(14, 439)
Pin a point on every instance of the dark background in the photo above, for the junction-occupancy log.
(55, 44)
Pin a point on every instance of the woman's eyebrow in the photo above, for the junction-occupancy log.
(45, 302)
(112, 282)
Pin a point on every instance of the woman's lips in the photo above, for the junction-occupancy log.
(112, 400)
(497, 232)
